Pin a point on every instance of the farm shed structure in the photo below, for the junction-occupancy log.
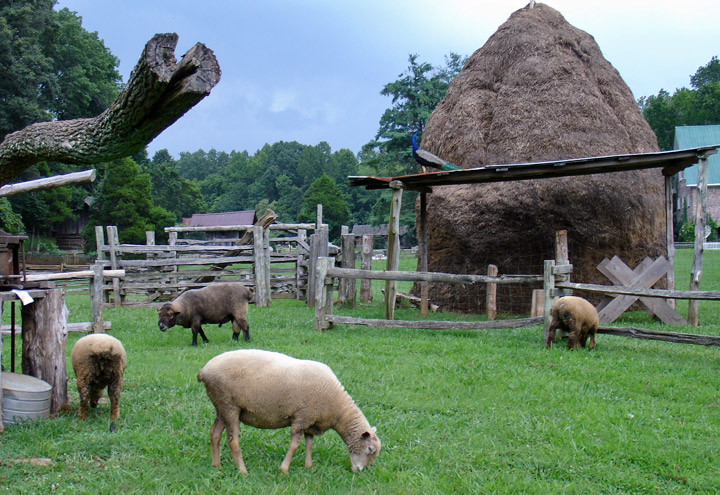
(670, 163)
(245, 217)
(687, 181)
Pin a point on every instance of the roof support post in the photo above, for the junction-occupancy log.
(393, 248)
(700, 212)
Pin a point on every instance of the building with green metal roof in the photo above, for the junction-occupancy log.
(693, 136)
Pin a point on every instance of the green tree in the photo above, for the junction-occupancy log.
(125, 201)
(52, 68)
(169, 190)
(698, 106)
(335, 209)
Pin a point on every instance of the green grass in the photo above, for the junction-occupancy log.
(457, 411)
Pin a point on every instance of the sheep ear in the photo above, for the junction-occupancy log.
(366, 435)
(374, 429)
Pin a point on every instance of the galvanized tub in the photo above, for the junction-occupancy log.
(24, 398)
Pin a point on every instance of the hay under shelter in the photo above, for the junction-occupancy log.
(539, 89)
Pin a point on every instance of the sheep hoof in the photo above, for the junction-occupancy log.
(112, 426)
(235, 336)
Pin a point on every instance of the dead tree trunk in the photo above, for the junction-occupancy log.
(158, 93)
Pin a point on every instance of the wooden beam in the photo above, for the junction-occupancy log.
(461, 278)
(713, 295)
(642, 333)
(436, 325)
(47, 183)
(423, 252)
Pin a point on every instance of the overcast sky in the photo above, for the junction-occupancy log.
(312, 70)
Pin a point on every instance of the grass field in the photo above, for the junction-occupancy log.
(457, 411)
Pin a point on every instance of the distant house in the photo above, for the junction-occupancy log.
(225, 219)
(380, 231)
(693, 136)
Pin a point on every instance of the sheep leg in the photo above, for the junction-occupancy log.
(241, 324)
(551, 334)
(114, 389)
(231, 432)
(308, 450)
(215, 434)
(197, 329)
(294, 443)
(84, 402)
(592, 341)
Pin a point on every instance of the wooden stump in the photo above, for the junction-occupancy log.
(44, 336)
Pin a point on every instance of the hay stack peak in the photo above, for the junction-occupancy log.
(539, 89)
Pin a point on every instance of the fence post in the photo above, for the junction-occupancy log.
(100, 242)
(700, 209)
(549, 295)
(321, 293)
(423, 253)
(348, 286)
(260, 266)
(393, 252)
(301, 270)
(366, 253)
(491, 296)
(267, 260)
(113, 241)
(96, 298)
(562, 256)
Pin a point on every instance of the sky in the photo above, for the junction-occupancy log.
(312, 70)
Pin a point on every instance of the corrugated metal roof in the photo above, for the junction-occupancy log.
(671, 162)
(246, 217)
(690, 136)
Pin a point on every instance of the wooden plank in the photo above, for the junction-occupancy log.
(231, 228)
(710, 295)
(670, 235)
(537, 303)
(548, 298)
(259, 263)
(113, 241)
(320, 292)
(436, 325)
(48, 182)
(462, 278)
(641, 333)
(646, 279)
(620, 274)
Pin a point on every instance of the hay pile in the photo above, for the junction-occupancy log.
(539, 89)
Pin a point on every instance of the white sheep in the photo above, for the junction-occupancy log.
(99, 361)
(271, 390)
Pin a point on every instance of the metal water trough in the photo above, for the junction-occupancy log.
(24, 398)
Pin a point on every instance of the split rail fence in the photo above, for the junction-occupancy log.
(273, 266)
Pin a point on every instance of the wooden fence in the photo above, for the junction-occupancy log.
(273, 266)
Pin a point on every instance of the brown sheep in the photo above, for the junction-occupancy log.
(99, 361)
(216, 303)
(271, 390)
(576, 316)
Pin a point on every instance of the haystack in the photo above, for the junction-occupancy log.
(539, 89)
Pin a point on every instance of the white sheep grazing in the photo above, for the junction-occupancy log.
(271, 390)
(99, 361)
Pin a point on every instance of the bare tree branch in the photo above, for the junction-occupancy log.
(158, 93)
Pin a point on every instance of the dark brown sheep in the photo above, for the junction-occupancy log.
(216, 303)
(576, 316)
(99, 361)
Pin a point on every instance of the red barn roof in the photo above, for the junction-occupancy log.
(246, 217)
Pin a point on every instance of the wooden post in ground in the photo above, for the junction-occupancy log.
(323, 294)
(700, 212)
(318, 249)
(348, 287)
(393, 248)
(300, 270)
(113, 241)
(268, 264)
(44, 336)
(491, 296)
(670, 236)
(366, 253)
(549, 296)
(100, 242)
(423, 252)
(96, 298)
(260, 266)
(562, 256)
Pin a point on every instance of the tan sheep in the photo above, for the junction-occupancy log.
(99, 361)
(271, 390)
(576, 316)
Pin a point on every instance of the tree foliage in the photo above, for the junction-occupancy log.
(326, 192)
(697, 106)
